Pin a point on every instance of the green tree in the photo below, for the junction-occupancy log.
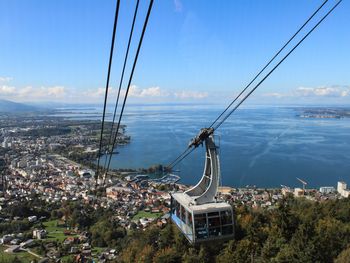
(300, 249)
(285, 220)
(190, 256)
(331, 238)
(246, 251)
(145, 255)
(167, 255)
(227, 254)
(166, 236)
(273, 244)
(128, 254)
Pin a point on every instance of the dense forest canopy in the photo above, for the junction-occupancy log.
(298, 230)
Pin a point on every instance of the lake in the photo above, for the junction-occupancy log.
(262, 146)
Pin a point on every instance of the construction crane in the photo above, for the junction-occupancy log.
(303, 182)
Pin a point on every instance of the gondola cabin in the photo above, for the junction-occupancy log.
(197, 212)
(204, 222)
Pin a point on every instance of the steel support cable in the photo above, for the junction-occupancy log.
(173, 163)
(310, 31)
(107, 86)
(268, 63)
(122, 78)
(130, 79)
(275, 67)
(257, 75)
(181, 157)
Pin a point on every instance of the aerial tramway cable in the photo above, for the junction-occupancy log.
(107, 85)
(122, 78)
(181, 157)
(273, 69)
(188, 151)
(268, 63)
(130, 79)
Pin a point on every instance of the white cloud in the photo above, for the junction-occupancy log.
(156, 93)
(134, 91)
(44, 92)
(5, 79)
(191, 95)
(30, 93)
(95, 93)
(322, 91)
(60, 93)
(334, 91)
(26, 91)
(7, 90)
(345, 93)
(57, 91)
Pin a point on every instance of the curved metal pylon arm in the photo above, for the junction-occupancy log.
(206, 190)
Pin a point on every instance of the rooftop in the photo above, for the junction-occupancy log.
(186, 201)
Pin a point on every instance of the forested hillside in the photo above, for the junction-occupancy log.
(297, 231)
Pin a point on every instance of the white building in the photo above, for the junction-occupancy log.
(6, 239)
(86, 173)
(298, 192)
(32, 218)
(286, 190)
(327, 189)
(39, 233)
(341, 188)
(6, 143)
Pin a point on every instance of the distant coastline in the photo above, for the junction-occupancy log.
(324, 113)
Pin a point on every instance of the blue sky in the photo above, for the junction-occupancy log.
(193, 51)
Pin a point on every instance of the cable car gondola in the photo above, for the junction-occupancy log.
(197, 212)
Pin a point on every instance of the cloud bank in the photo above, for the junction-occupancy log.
(5, 79)
(62, 94)
(30, 93)
(336, 91)
(154, 94)
(148, 92)
(151, 93)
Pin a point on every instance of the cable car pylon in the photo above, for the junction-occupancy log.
(197, 212)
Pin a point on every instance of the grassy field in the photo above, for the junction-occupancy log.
(141, 214)
(98, 250)
(55, 232)
(9, 257)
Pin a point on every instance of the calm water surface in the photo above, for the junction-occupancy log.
(263, 146)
